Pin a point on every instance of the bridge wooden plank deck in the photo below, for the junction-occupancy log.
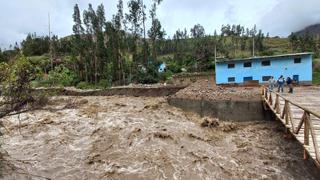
(298, 111)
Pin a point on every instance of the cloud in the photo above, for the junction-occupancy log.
(290, 16)
(279, 17)
(20, 17)
(212, 14)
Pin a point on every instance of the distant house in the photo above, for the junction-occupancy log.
(162, 68)
(298, 66)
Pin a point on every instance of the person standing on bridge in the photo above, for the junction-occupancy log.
(271, 83)
(281, 81)
(290, 85)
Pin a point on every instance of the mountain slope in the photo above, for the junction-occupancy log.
(313, 30)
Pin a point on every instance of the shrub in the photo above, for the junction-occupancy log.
(84, 85)
(61, 75)
(148, 76)
(4, 69)
(104, 83)
(174, 67)
(16, 87)
(42, 62)
(165, 75)
(267, 53)
(41, 83)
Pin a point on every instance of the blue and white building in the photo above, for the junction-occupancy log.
(297, 66)
(162, 68)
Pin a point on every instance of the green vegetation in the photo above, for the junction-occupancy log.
(316, 77)
(102, 53)
(16, 87)
(16, 90)
(61, 76)
(316, 71)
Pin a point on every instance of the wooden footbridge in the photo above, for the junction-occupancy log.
(300, 113)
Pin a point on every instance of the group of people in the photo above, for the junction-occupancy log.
(280, 83)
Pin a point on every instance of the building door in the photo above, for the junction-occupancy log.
(296, 78)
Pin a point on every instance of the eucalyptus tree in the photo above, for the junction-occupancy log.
(156, 32)
(78, 43)
(294, 41)
(199, 42)
(120, 48)
(253, 33)
(99, 27)
(135, 18)
(179, 39)
(197, 31)
(95, 26)
(89, 45)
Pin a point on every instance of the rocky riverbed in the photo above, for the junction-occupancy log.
(205, 89)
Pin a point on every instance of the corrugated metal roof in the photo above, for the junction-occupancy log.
(222, 60)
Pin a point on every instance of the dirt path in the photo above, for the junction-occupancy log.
(144, 138)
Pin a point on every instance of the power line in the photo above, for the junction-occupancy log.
(50, 44)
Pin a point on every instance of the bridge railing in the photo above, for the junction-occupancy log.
(285, 115)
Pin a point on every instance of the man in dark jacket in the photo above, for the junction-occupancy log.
(289, 83)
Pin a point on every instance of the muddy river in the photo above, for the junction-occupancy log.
(143, 138)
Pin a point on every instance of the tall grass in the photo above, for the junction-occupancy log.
(316, 77)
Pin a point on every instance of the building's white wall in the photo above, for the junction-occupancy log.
(282, 66)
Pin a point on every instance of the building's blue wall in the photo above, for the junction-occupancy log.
(279, 66)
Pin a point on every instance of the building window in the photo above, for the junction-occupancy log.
(266, 78)
(247, 64)
(247, 78)
(265, 63)
(230, 66)
(231, 79)
(297, 60)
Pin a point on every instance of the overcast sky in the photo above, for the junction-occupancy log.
(278, 17)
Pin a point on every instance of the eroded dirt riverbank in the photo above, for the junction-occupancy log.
(143, 138)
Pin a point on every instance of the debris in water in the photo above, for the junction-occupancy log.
(162, 135)
(74, 104)
(227, 127)
(210, 122)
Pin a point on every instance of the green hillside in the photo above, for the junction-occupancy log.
(119, 51)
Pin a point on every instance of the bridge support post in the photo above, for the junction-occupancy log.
(306, 138)
(286, 116)
(277, 104)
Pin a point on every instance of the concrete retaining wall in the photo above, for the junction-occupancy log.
(224, 110)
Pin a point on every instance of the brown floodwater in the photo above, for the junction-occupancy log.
(143, 138)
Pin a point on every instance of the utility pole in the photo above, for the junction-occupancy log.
(215, 59)
(252, 45)
(50, 45)
(144, 35)
(215, 53)
(215, 48)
